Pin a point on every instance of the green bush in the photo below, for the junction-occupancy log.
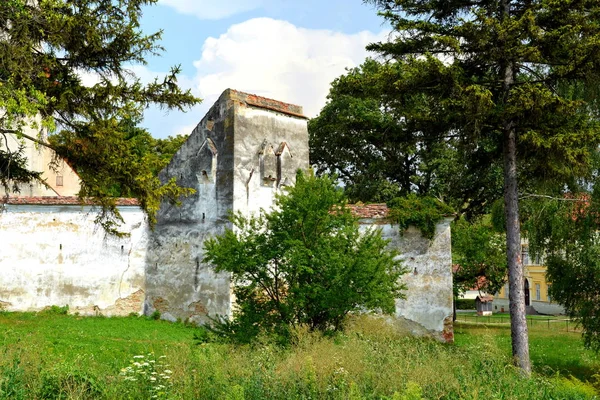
(465, 304)
(56, 310)
(421, 212)
(305, 262)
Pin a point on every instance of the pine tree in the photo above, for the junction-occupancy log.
(45, 48)
(493, 68)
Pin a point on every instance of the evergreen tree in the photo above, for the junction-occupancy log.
(492, 69)
(45, 48)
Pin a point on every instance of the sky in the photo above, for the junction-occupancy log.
(289, 50)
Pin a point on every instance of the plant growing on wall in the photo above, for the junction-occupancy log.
(421, 212)
(304, 263)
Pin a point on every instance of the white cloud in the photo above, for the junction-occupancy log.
(276, 59)
(212, 9)
(141, 72)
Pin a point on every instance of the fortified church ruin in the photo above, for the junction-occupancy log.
(245, 150)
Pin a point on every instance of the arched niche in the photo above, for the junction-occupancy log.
(284, 155)
(206, 167)
(268, 164)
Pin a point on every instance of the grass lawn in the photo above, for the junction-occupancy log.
(52, 356)
(551, 352)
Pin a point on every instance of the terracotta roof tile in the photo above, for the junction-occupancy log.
(377, 210)
(485, 298)
(269, 104)
(57, 200)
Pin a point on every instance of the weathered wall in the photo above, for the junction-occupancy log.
(56, 255)
(542, 307)
(236, 159)
(427, 308)
(244, 151)
(179, 284)
(269, 148)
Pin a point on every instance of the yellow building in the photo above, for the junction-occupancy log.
(537, 296)
(60, 179)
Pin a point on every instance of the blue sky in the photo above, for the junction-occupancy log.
(289, 50)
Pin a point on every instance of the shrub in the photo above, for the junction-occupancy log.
(305, 262)
(56, 310)
(465, 304)
(72, 384)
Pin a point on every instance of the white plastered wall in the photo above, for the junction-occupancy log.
(57, 255)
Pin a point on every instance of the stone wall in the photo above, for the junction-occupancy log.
(427, 307)
(236, 159)
(54, 254)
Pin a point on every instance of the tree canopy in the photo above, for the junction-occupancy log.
(384, 139)
(479, 254)
(483, 79)
(304, 263)
(46, 47)
(564, 229)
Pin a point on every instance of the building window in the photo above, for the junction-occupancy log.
(506, 291)
(59, 180)
(548, 294)
(538, 292)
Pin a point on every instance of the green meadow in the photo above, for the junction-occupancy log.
(51, 355)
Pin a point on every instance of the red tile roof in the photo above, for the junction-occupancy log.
(269, 104)
(57, 200)
(377, 210)
(485, 298)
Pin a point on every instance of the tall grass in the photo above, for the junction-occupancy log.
(69, 357)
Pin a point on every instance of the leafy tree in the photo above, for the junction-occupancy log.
(139, 153)
(384, 138)
(478, 251)
(564, 230)
(305, 262)
(492, 69)
(45, 48)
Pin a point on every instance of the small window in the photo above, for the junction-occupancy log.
(59, 180)
(506, 291)
(538, 292)
(548, 294)
(525, 255)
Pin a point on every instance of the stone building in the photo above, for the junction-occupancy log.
(245, 150)
(241, 153)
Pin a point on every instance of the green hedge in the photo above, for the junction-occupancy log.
(465, 304)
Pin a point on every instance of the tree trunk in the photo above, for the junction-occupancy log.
(518, 320)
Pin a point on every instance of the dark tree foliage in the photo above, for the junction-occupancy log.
(493, 69)
(45, 47)
(304, 263)
(386, 138)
